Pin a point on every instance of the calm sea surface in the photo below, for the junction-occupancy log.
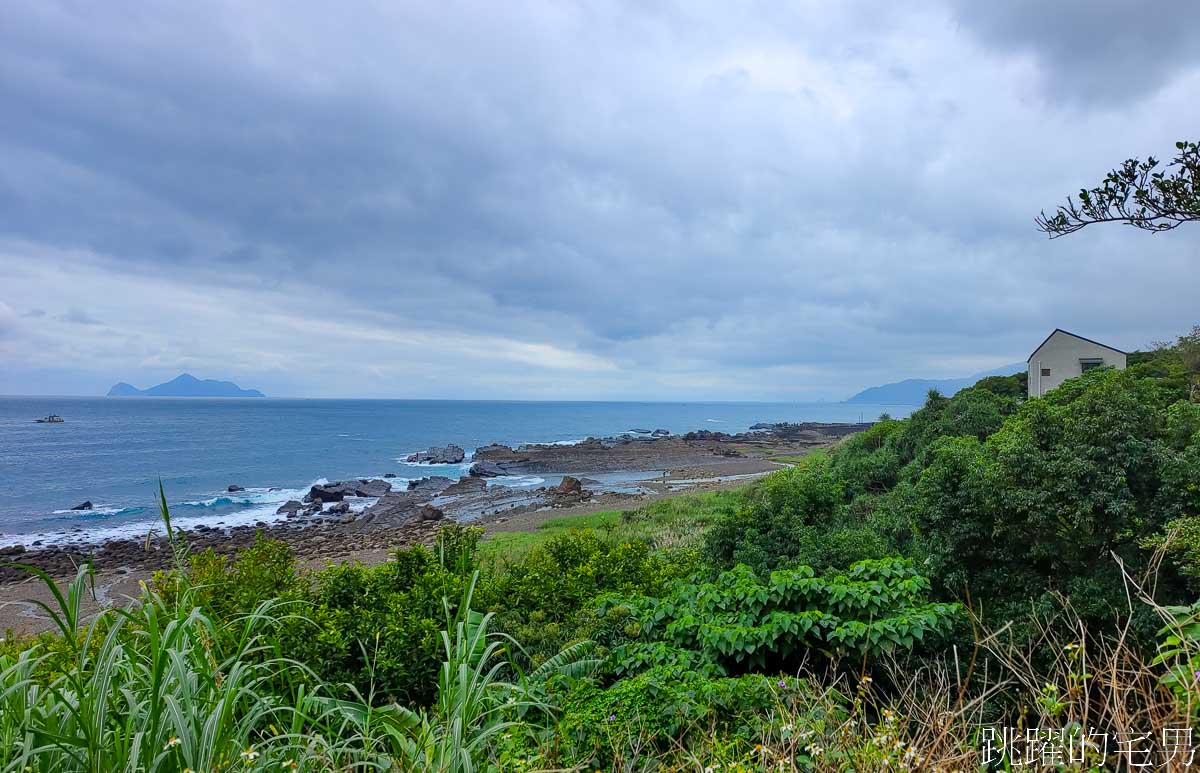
(114, 451)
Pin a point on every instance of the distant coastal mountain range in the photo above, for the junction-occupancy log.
(185, 385)
(912, 391)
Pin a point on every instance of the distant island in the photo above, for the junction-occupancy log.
(185, 385)
(912, 391)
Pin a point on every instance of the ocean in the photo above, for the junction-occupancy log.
(114, 451)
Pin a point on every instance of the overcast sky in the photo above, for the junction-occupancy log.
(759, 201)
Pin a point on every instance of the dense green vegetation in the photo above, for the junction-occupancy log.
(985, 560)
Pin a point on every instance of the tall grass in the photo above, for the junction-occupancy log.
(146, 688)
(481, 695)
(161, 686)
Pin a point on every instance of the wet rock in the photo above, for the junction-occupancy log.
(432, 485)
(494, 448)
(86, 505)
(233, 487)
(389, 475)
(393, 509)
(486, 470)
(465, 485)
(569, 485)
(336, 492)
(428, 512)
(326, 492)
(451, 454)
(338, 508)
(290, 507)
(660, 433)
(372, 488)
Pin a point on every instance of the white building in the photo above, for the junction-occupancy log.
(1065, 355)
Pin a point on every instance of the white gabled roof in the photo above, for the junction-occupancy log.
(1081, 338)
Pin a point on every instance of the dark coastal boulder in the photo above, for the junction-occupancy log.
(433, 485)
(569, 486)
(568, 492)
(492, 450)
(451, 454)
(389, 475)
(233, 487)
(290, 507)
(326, 492)
(661, 433)
(706, 434)
(338, 508)
(393, 509)
(428, 512)
(486, 470)
(86, 505)
(465, 485)
(336, 492)
(372, 488)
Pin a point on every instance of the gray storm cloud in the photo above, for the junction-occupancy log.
(534, 200)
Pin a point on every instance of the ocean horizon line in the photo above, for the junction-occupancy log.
(143, 398)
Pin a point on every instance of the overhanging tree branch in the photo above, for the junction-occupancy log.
(1135, 194)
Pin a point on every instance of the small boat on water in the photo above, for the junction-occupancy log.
(53, 418)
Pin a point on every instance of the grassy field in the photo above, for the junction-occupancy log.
(672, 522)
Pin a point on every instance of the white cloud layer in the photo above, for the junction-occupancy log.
(573, 200)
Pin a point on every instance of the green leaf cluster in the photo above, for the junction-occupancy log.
(741, 622)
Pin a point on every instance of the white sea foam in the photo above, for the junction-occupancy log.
(518, 481)
(258, 504)
(98, 510)
(574, 442)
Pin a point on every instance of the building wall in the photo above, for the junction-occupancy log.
(1061, 354)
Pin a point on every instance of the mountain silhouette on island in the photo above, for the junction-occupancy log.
(185, 385)
(913, 391)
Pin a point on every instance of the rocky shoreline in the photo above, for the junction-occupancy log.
(335, 520)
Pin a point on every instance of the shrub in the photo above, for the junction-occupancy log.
(777, 526)
(665, 709)
(376, 628)
(740, 622)
(225, 587)
(1042, 505)
(544, 599)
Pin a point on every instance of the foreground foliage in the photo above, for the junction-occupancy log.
(741, 623)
